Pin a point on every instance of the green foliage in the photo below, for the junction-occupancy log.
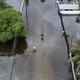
(3, 5)
(78, 67)
(78, 19)
(10, 23)
(76, 60)
(27, 2)
(75, 50)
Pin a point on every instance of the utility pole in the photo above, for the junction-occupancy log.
(26, 3)
(64, 32)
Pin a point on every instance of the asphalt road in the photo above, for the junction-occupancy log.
(49, 61)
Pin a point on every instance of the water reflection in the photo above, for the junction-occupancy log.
(7, 48)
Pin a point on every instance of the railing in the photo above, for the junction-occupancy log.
(68, 9)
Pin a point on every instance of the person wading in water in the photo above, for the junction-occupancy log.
(42, 37)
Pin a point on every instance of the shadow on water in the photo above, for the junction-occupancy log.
(21, 46)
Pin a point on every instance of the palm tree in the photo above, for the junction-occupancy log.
(75, 50)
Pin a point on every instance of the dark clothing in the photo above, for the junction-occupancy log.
(42, 37)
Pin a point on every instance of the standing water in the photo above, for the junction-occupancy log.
(7, 48)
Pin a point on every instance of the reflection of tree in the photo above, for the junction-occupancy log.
(27, 1)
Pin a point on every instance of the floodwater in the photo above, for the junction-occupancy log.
(6, 48)
(49, 61)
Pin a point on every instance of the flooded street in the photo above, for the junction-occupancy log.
(49, 60)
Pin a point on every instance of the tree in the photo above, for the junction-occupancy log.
(4, 5)
(27, 2)
(76, 60)
(75, 50)
(10, 23)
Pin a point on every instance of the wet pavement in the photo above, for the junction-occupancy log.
(49, 61)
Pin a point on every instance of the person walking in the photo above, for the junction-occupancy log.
(42, 37)
(42, 1)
